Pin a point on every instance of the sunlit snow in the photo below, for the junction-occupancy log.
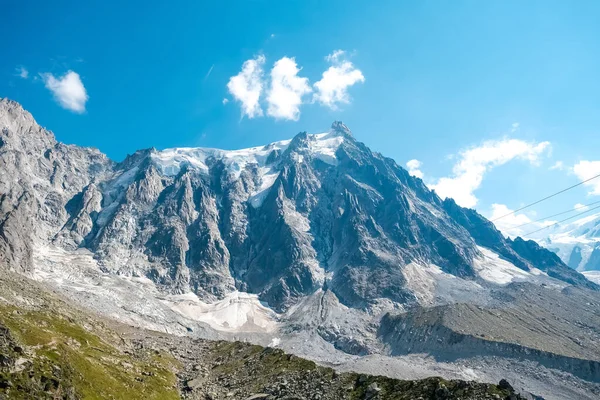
(492, 268)
(322, 146)
(238, 311)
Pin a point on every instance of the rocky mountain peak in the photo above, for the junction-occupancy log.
(19, 130)
(278, 221)
(340, 128)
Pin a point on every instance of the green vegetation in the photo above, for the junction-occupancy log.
(266, 364)
(47, 355)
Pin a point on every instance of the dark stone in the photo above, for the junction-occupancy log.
(504, 385)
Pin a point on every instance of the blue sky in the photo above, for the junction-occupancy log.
(438, 78)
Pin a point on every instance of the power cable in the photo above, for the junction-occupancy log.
(583, 206)
(556, 223)
(546, 198)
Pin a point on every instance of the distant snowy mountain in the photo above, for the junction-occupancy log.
(576, 243)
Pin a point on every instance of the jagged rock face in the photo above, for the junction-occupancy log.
(333, 213)
(38, 177)
(283, 220)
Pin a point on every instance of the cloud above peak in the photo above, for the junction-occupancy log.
(286, 91)
(332, 89)
(68, 90)
(247, 86)
(475, 162)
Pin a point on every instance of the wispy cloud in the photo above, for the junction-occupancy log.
(514, 126)
(414, 168)
(247, 86)
(286, 90)
(22, 72)
(475, 162)
(68, 90)
(559, 165)
(585, 170)
(513, 224)
(580, 207)
(332, 89)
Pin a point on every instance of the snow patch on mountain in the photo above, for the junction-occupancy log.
(267, 177)
(492, 268)
(237, 312)
(170, 161)
(324, 145)
(136, 299)
(593, 276)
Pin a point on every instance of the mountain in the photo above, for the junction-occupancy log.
(577, 243)
(281, 221)
(314, 244)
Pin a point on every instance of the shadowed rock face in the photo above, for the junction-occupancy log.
(281, 220)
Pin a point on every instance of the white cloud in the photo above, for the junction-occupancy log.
(414, 168)
(68, 90)
(286, 91)
(335, 57)
(473, 163)
(512, 225)
(580, 207)
(559, 165)
(247, 86)
(333, 86)
(587, 169)
(225, 100)
(514, 126)
(22, 72)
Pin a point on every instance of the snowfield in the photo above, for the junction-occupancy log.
(593, 276)
(137, 301)
(492, 268)
(322, 146)
(238, 311)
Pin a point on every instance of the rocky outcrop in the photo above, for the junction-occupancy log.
(38, 178)
(439, 332)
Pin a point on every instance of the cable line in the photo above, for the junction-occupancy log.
(546, 198)
(556, 223)
(556, 215)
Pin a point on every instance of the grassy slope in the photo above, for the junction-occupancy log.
(64, 358)
(51, 350)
